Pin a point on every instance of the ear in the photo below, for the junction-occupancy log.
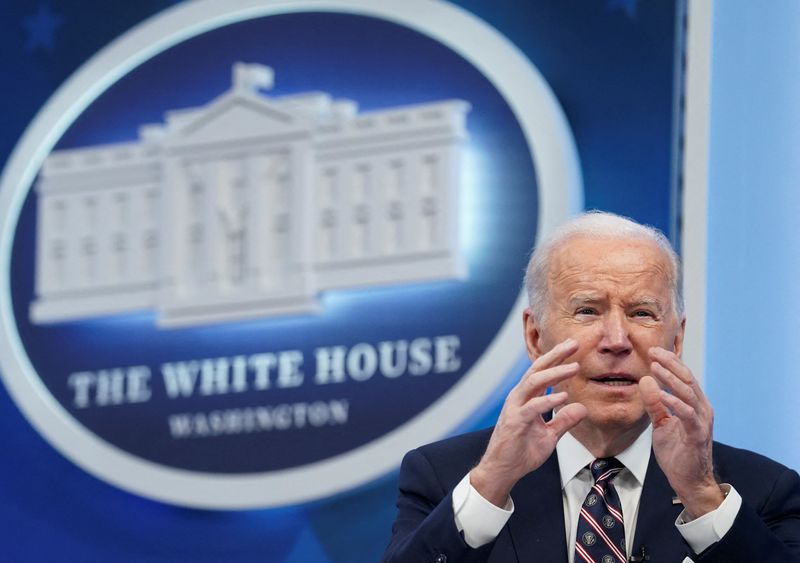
(677, 345)
(532, 334)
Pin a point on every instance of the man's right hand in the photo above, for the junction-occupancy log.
(522, 441)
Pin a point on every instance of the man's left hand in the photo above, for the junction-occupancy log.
(683, 422)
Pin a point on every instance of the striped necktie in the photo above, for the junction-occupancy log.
(601, 535)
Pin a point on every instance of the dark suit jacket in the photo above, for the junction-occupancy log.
(766, 530)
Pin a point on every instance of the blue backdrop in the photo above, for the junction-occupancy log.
(753, 243)
(610, 63)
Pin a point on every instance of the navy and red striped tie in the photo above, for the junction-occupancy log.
(601, 534)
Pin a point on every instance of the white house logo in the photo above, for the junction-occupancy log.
(236, 284)
(250, 206)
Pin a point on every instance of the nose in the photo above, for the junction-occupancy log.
(615, 339)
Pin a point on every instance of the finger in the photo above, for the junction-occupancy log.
(556, 355)
(567, 417)
(522, 390)
(673, 382)
(689, 397)
(673, 363)
(539, 381)
(536, 383)
(651, 396)
(683, 411)
(534, 408)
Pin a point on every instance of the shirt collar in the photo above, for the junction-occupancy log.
(573, 456)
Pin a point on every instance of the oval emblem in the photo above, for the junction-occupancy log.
(267, 279)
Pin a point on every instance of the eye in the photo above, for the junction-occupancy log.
(641, 313)
(586, 311)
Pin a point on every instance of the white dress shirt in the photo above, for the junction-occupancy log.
(480, 521)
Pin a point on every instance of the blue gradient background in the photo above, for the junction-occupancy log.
(753, 312)
(610, 64)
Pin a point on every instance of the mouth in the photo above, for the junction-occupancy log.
(615, 379)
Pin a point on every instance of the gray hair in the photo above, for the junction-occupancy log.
(596, 224)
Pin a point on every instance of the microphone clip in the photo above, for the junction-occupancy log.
(643, 556)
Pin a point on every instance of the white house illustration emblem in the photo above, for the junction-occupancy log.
(250, 206)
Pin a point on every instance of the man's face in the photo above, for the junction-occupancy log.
(613, 296)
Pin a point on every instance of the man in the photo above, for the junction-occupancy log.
(617, 462)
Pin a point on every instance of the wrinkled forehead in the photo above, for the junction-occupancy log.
(583, 260)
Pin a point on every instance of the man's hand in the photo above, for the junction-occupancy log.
(682, 431)
(522, 440)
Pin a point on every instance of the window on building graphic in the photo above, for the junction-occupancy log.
(327, 236)
(393, 190)
(57, 259)
(428, 208)
(360, 212)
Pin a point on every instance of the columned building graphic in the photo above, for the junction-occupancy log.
(250, 206)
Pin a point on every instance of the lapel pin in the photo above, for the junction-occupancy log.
(676, 500)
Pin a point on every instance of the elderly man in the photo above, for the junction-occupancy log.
(617, 463)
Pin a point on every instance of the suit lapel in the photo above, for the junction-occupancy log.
(537, 531)
(537, 526)
(655, 526)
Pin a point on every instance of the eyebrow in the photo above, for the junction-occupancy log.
(584, 298)
(648, 302)
(588, 299)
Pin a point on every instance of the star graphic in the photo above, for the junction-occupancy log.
(41, 28)
(629, 6)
